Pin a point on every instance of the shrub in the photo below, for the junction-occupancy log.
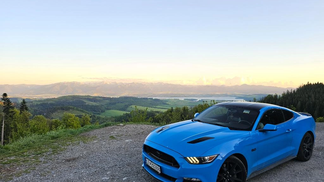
(38, 125)
(71, 121)
(320, 119)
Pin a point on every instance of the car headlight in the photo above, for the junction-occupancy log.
(201, 160)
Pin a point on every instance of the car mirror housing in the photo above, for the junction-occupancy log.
(268, 127)
(196, 114)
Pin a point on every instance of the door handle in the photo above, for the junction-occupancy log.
(288, 130)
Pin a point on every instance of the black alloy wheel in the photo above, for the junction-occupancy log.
(232, 170)
(306, 148)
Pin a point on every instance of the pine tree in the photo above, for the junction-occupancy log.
(23, 106)
(7, 105)
(7, 118)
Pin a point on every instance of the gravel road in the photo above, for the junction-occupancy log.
(115, 155)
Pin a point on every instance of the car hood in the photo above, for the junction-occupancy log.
(202, 136)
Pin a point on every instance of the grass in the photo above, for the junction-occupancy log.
(181, 103)
(132, 107)
(28, 150)
(113, 113)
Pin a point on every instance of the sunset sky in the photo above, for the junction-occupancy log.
(205, 42)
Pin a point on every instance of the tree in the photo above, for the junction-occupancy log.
(138, 116)
(7, 118)
(85, 120)
(70, 121)
(23, 106)
(56, 124)
(20, 125)
(38, 125)
(2, 129)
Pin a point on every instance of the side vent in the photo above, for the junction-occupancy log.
(200, 140)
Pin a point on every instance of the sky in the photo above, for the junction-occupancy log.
(205, 42)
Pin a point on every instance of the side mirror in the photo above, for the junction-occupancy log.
(196, 114)
(268, 127)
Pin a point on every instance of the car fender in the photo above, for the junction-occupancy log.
(237, 146)
(301, 125)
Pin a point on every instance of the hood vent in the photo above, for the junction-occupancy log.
(162, 129)
(200, 140)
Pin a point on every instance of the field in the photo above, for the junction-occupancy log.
(113, 113)
(132, 107)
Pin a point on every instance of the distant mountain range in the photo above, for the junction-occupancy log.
(133, 89)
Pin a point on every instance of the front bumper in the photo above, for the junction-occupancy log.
(204, 172)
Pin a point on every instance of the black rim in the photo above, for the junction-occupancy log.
(230, 172)
(307, 146)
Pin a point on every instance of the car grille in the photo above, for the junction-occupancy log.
(161, 156)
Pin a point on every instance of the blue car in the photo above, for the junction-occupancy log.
(228, 142)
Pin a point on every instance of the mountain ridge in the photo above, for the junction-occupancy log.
(137, 89)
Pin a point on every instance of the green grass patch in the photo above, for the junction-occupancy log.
(132, 107)
(113, 113)
(182, 103)
(112, 137)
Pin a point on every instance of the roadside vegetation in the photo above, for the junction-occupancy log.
(35, 148)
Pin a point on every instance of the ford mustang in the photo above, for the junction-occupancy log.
(228, 142)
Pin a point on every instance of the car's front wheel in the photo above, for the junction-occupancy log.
(232, 170)
(306, 148)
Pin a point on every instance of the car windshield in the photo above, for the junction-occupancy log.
(233, 117)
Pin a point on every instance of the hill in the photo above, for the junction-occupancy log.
(101, 106)
(307, 98)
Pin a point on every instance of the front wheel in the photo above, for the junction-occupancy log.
(232, 170)
(306, 148)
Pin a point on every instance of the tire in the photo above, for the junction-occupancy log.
(306, 146)
(232, 170)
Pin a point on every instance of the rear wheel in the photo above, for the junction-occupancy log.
(232, 170)
(306, 148)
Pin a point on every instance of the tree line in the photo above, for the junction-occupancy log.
(18, 123)
(306, 98)
(172, 115)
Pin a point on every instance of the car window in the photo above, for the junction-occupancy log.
(233, 117)
(273, 116)
(288, 115)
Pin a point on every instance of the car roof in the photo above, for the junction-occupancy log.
(248, 105)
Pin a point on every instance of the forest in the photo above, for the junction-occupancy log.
(306, 98)
(18, 122)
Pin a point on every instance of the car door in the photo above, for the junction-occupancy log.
(272, 146)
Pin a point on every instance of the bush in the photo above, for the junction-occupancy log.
(320, 119)
(38, 125)
(71, 121)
